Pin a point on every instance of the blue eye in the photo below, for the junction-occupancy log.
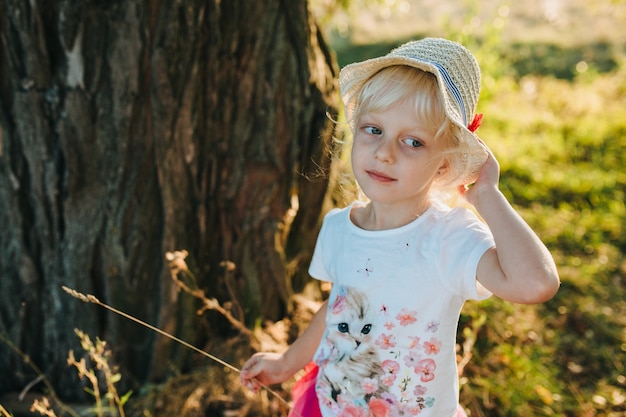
(372, 130)
(414, 143)
(366, 329)
(343, 327)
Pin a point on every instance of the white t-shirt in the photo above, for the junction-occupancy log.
(389, 344)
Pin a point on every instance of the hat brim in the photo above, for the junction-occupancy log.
(353, 76)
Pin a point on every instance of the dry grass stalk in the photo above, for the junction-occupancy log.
(91, 299)
(88, 298)
(4, 412)
(179, 269)
(43, 407)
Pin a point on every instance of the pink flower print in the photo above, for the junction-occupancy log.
(412, 359)
(407, 317)
(389, 325)
(432, 347)
(414, 410)
(426, 367)
(390, 372)
(388, 379)
(339, 304)
(369, 385)
(415, 342)
(408, 410)
(379, 407)
(390, 367)
(432, 326)
(419, 391)
(386, 341)
(389, 397)
(345, 403)
(352, 411)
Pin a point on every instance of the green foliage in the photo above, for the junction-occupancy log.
(560, 143)
(560, 62)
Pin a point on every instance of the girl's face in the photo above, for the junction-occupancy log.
(395, 158)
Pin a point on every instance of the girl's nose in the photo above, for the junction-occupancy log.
(384, 151)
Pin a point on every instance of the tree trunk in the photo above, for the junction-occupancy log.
(132, 128)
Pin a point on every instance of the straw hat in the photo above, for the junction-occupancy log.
(458, 76)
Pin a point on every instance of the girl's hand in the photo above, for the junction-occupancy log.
(488, 179)
(263, 368)
(273, 368)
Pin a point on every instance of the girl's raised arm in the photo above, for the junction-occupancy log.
(520, 268)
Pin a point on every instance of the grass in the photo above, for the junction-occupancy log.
(560, 142)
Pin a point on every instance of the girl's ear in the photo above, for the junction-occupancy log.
(443, 168)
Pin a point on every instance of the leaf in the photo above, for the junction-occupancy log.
(125, 398)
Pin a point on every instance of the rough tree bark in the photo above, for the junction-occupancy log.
(132, 128)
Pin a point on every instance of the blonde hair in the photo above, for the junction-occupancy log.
(398, 83)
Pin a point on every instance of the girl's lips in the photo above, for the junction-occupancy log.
(379, 176)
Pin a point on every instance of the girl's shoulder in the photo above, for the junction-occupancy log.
(451, 220)
(338, 214)
(441, 211)
(336, 220)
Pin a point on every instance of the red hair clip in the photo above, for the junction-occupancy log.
(478, 119)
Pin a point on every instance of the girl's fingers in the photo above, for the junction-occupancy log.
(247, 375)
(252, 385)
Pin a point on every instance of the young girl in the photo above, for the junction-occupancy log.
(402, 264)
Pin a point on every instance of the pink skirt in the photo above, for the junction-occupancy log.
(305, 403)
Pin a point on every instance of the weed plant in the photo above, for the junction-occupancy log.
(99, 369)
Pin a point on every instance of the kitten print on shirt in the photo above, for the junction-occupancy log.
(363, 370)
